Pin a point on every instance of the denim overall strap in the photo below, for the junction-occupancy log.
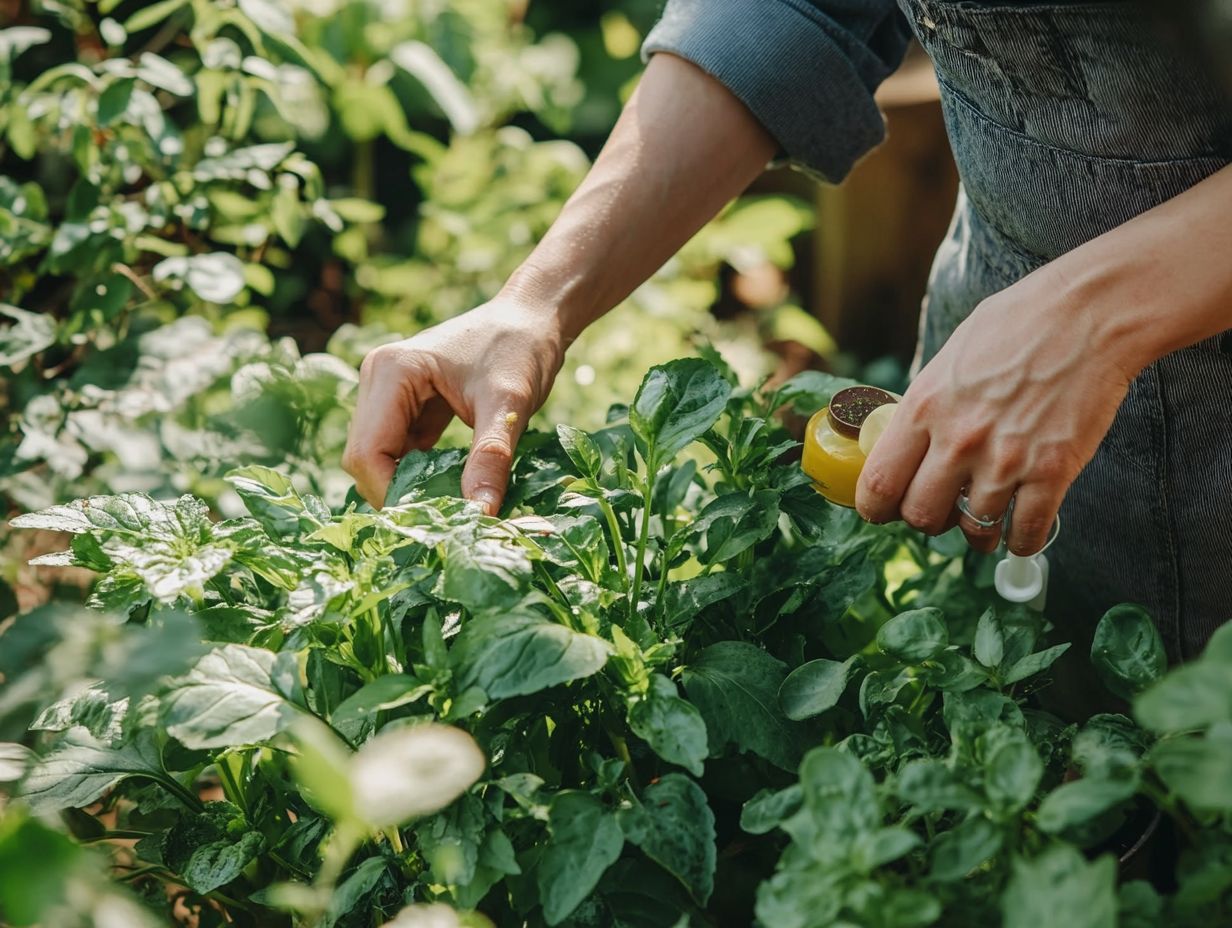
(1066, 120)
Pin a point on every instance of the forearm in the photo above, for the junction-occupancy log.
(1159, 282)
(683, 147)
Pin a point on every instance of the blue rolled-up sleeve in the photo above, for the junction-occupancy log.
(807, 69)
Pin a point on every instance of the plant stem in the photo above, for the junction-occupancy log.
(618, 542)
(644, 536)
(181, 792)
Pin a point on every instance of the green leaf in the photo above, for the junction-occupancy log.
(915, 636)
(1198, 769)
(217, 277)
(1127, 650)
(735, 686)
(1034, 663)
(989, 647)
(1061, 888)
(29, 334)
(930, 785)
(1079, 801)
(674, 827)
(840, 795)
(274, 502)
(113, 102)
(152, 15)
(582, 450)
(520, 653)
(959, 850)
(770, 808)
(384, 693)
(423, 474)
(676, 403)
(79, 769)
(734, 522)
(236, 695)
(873, 849)
(814, 687)
(672, 726)
(210, 849)
(1012, 771)
(485, 571)
(1191, 696)
(161, 74)
(585, 839)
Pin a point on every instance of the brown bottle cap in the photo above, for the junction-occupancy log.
(851, 406)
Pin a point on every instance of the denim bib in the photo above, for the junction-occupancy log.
(1066, 120)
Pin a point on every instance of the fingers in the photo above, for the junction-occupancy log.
(888, 471)
(928, 504)
(985, 502)
(432, 420)
(383, 413)
(500, 419)
(1035, 511)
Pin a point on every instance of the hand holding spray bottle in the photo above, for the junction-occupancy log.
(839, 438)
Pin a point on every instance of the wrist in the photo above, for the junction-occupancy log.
(562, 298)
(1106, 300)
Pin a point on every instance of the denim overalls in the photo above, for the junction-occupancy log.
(1066, 120)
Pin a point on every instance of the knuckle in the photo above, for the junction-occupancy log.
(922, 517)
(1030, 534)
(878, 486)
(494, 449)
(1052, 466)
(1009, 459)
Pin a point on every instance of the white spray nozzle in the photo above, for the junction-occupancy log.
(1020, 579)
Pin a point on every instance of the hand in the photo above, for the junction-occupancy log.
(1013, 406)
(492, 367)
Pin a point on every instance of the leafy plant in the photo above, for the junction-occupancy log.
(701, 695)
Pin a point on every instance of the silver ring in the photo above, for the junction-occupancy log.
(964, 506)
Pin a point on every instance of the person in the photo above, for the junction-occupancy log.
(1074, 349)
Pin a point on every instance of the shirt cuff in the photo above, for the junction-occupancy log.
(804, 77)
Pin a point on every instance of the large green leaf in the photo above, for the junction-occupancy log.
(79, 769)
(735, 686)
(585, 839)
(210, 849)
(422, 474)
(914, 636)
(484, 571)
(674, 827)
(676, 403)
(1199, 770)
(1060, 887)
(672, 726)
(814, 687)
(1127, 650)
(235, 695)
(1192, 696)
(519, 653)
(734, 522)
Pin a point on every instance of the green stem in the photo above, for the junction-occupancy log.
(622, 751)
(230, 785)
(181, 792)
(116, 835)
(643, 539)
(618, 542)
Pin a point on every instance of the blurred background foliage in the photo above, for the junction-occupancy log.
(210, 210)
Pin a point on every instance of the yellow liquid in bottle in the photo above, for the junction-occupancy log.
(834, 461)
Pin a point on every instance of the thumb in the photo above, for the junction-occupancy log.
(500, 420)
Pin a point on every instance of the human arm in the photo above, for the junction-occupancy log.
(1017, 401)
(682, 148)
(789, 76)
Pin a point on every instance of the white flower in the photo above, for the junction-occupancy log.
(409, 772)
